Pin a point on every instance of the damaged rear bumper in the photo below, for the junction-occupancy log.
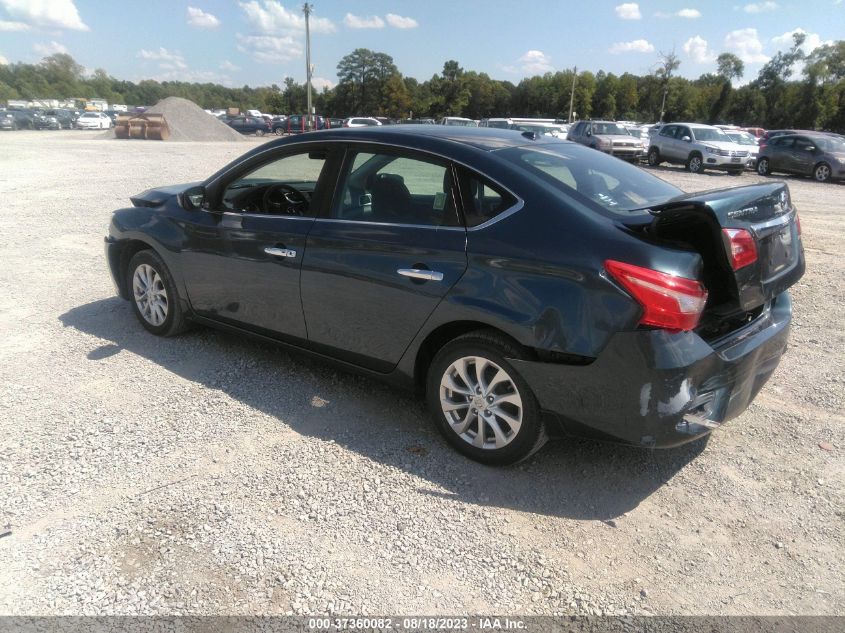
(660, 389)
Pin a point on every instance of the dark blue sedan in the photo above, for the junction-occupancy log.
(528, 287)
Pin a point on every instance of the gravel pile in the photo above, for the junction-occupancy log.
(188, 122)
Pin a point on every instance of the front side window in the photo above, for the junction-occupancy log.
(284, 186)
(396, 189)
(669, 131)
(592, 178)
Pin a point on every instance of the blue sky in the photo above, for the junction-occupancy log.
(259, 42)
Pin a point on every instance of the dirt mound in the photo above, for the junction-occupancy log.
(188, 122)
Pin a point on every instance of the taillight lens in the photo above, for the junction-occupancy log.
(669, 302)
(741, 247)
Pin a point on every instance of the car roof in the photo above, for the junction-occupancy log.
(430, 137)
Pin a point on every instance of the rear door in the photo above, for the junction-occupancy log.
(802, 156)
(666, 142)
(780, 153)
(388, 250)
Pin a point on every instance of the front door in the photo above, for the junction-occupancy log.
(244, 268)
(389, 249)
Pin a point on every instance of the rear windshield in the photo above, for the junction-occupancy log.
(600, 181)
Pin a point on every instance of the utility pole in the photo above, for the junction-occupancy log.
(572, 94)
(306, 9)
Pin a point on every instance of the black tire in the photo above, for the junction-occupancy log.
(495, 348)
(175, 321)
(695, 163)
(279, 131)
(259, 132)
(822, 172)
(653, 157)
(763, 167)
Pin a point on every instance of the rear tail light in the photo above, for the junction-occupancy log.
(669, 302)
(741, 247)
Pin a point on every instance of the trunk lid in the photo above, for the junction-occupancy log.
(767, 213)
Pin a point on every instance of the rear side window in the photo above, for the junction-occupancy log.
(482, 200)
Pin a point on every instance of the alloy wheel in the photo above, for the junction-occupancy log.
(822, 172)
(763, 167)
(150, 294)
(481, 402)
(695, 164)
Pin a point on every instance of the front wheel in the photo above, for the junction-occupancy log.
(259, 132)
(694, 164)
(155, 299)
(480, 403)
(279, 131)
(822, 172)
(653, 157)
(763, 167)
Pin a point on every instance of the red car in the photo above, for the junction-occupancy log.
(758, 132)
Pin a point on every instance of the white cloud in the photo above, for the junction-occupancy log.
(636, 46)
(690, 14)
(532, 63)
(747, 46)
(47, 14)
(270, 49)
(51, 48)
(229, 66)
(167, 60)
(269, 17)
(202, 20)
(6, 25)
(811, 40)
(360, 22)
(399, 22)
(3, 61)
(321, 82)
(760, 7)
(628, 11)
(698, 51)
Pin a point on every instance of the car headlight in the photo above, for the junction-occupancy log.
(711, 150)
(603, 142)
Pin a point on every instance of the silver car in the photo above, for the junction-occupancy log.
(818, 155)
(698, 147)
(749, 142)
(608, 137)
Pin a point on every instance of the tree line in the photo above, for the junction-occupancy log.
(793, 89)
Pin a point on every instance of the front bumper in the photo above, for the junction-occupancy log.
(660, 389)
(716, 161)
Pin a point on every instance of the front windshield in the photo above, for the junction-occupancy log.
(710, 134)
(600, 181)
(461, 122)
(609, 128)
(743, 138)
(636, 132)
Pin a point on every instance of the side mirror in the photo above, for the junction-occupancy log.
(588, 133)
(686, 139)
(811, 148)
(192, 198)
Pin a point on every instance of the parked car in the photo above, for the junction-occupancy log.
(527, 287)
(24, 119)
(7, 121)
(608, 137)
(361, 121)
(502, 124)
(640, 133)
(298, 123)
(334, 123)
(756, 132)
(418, 121)
(542, 129)
(279, 125)
(748, 141)
(94, 121)
(698, 147)
(385, 120)
(821, 156)
(55, 120)
(458, 120)
(249, 125)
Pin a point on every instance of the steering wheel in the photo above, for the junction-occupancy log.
(281, 197)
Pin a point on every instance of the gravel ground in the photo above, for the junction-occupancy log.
(208, 474)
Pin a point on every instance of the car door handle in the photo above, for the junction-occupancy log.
(280, 252)
(419, 273)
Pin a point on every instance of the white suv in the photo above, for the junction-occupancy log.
(698, 147)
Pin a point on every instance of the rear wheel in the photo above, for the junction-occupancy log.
(479, 402)
(695, 165)
(822, 172)
(155, 299)
(653, 157)
(279, 131)
(259, 132)
(763, 167)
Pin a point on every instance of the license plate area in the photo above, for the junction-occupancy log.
(779, 251)
(736, 160)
